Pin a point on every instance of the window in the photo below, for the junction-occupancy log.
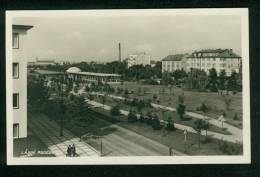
(16, 100)
(15, 41)
(15, 70)
(16, 130)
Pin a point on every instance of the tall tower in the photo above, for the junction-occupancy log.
(119, 52)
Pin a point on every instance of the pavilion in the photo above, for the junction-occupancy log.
(76, 74)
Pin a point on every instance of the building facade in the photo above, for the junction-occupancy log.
(75, 74)
(19, 72)
(138, 59)
(173, 62)
(220, 59)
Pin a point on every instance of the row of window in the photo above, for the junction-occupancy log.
(15, 76)
(15, 45)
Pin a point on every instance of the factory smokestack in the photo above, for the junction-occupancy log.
(119, 52)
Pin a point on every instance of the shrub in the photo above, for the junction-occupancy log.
(132, 117)
(91, 97)
(203, 107)
(170, 124)
(142, 118)
(115, 111)
(156, 123)
(231, 149)
(148, 118)
(235, 117)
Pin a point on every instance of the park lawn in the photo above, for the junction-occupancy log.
(95, 127)
(192, 99)
(188, 121)
(174, 138)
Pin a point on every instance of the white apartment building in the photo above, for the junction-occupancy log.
(138, 59)
(173, 62)
(220, 59)
(19, 72)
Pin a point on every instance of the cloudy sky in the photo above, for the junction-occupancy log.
(96, 37)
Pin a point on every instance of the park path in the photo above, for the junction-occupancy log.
(236, 133)
(48, 132)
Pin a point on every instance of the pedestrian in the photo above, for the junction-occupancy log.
(73, 149)
(69, 151)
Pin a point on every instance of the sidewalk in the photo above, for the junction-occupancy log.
(48, 132)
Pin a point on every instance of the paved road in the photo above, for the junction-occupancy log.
(124, 142)
(48, 132)
(236, 132)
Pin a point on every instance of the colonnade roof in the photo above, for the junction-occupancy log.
(94, 74)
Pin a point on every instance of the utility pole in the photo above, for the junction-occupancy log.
(119, 52)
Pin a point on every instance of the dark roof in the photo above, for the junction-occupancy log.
(220, 53)
(46, 61)
(48, 72)
(177, 57)
(22, 27)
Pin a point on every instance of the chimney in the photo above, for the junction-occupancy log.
(119, 52)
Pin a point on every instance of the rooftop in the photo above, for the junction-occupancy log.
(22, 27)
(177, 57)
(45, 60)
(47, 72)
(221, 53)
(96, 74)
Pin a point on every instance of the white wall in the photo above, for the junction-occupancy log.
(20, 84)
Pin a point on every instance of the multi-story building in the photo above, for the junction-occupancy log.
(19, 72)
(173, 62)
(220, 59)
(138, 59)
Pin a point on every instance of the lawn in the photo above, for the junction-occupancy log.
(188, 121)
(192, 99)
(175, 138)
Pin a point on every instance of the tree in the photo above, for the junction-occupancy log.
(103, 99)
(222, 81)
(155, 97)
(203, 108)
(37, 92)
(198, 127)
(181, 107)
(156, 123)
(170, 123)
(115, 111)
(140, 106)
(126, 93)
(206, 127)
(79, 110)
(233, 84)
(132, 117)
(196, 79)
(213, 80)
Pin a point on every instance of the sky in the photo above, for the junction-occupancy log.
(96, 38)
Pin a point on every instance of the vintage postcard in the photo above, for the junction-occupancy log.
(158, 86)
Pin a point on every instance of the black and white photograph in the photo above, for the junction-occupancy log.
(168, 86)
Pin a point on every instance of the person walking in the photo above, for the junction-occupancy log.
(73, 149)
(69, 151)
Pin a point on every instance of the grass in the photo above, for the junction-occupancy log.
(175, 138)
(188, 121)
(193, 99)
